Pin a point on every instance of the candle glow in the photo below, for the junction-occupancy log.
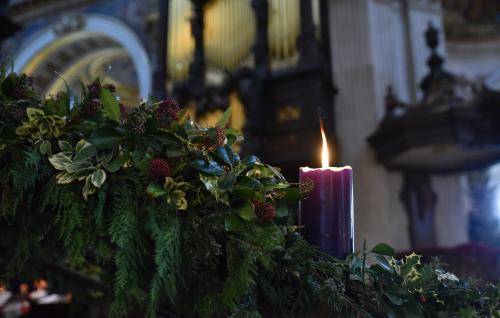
(325, 157)
(326, 214)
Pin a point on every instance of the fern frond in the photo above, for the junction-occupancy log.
(167, 260)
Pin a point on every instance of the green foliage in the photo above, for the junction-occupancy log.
(77, 188)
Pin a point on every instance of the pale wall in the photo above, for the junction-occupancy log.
(369, 52)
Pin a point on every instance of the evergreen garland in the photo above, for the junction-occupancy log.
(173, 217)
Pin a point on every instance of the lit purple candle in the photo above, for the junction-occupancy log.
(326, 214)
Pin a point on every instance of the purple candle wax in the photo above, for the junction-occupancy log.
(326, 213)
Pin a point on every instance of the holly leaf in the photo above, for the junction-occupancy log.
(251, 161)
(227, 155)
(212, 185)
(210, 167)
(110, 105)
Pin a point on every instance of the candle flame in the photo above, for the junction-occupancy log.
(325, 157)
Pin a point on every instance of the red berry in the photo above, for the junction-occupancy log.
(264, 211)
(159, 170)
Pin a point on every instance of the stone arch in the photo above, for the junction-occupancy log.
(103, 32)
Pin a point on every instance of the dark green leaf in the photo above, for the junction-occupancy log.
(245, 211)
(226, 181)
(175, 153)
(110, 105)
(384, 249)
(233, 223)
(105, 137)
(154, 190)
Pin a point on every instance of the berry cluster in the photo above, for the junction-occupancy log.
(159, 170)
(166, 112)
(265, 211)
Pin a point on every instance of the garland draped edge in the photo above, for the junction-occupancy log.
(168, 212)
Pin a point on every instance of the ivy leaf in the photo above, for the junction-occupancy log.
(60, 161)
(224, 118)
(384, 249)
(110, 105)
(98, 178)
(154, 190)
(246, 211)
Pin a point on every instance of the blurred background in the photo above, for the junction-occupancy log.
(408, 91)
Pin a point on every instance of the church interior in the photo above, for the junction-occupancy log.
(407, 93)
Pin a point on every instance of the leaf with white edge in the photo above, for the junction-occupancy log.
(98, 178)
(65, 146)
(224, 118)
(88, 189)
(65, 177)
(60, 161)
(45, 148)
(34, 113)
(82, 144)
(87, 152)
(79, 166)
(110, 105)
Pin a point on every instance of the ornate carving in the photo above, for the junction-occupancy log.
(69, 24)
